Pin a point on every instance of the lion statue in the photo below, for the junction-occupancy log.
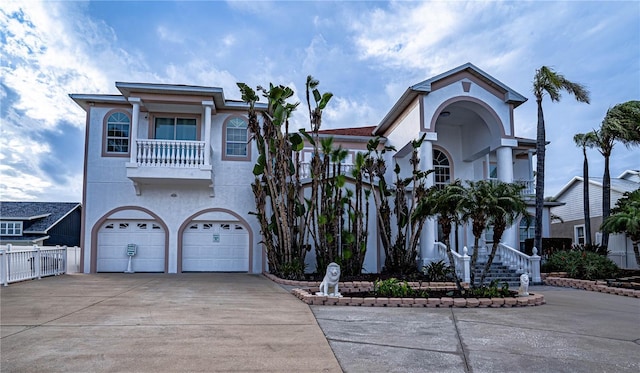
(330, 281)
(524, 285)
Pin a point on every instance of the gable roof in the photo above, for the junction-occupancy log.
(617, 185)
(425, 87)
(44, 215)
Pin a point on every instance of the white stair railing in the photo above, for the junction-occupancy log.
(521, 262)
(461, 262)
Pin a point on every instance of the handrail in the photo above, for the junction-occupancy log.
(521, 262)
(461, 262)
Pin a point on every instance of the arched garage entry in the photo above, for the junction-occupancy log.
(215, 240)
(129, 225)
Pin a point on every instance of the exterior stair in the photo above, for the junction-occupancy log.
(499, 272)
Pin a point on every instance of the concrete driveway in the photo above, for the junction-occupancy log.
(246, 323)
(158, 323)
(576, 331)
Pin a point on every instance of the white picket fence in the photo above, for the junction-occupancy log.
(19, 263)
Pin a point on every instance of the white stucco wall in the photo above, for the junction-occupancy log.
(107, 188)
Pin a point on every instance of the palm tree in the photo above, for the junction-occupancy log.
(622, 123)
(507, 208)
(626, 219)
(546, 80)
(585, 140)
(445, 204)
(476, 204)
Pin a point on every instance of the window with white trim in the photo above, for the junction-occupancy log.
(578, 234)
(236, 137)
(117, 136)
(527, 230)
(442, 168)
(11, 228)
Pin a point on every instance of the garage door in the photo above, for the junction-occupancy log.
(115, 235)
(215, 247)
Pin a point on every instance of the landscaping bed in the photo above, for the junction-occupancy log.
(441, 295)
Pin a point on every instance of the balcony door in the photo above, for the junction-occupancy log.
(176, 129)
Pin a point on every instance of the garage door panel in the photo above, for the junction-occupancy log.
(215, 247)
(114, 237)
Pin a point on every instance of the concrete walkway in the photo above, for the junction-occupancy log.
(576, 331)
(158, 323)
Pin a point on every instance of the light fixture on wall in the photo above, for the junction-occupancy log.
(445, 114)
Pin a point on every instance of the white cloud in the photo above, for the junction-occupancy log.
(343, 112)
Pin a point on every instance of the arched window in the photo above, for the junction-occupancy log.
(117, 134)
(236, 139)
(442, 166)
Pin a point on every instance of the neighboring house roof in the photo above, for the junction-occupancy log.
(37, 217)
(353, 131)
(617, 185)
(424, 88)
(633, 175)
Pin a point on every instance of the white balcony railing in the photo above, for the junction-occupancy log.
(305, 169)
(169, 153)
(529, 187)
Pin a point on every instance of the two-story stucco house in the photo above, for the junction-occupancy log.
(169, 168)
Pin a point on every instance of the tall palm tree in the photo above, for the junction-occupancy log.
(508, 206)
(546, 80)
(585, 140)
(622, 123)
(626, 219)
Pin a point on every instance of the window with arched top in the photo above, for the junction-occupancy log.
(442, 167)
(236, 140)
(117, 134)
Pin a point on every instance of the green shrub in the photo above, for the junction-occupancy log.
(439, 272)
(584, 265)
(491, 291)
(394, 288)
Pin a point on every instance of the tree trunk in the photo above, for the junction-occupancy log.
(606, 198)
(498, 231)
(540, 154)
(585, 193)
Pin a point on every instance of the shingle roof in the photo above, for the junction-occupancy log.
(353, 131)
(27, 210)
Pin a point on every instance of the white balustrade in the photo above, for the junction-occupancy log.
(169, 153)
(461, 262)
(529, 186)
(305, 169)
(19, 263)
(520, 261)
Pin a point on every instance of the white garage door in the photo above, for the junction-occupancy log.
(115, 235)
(215, 246)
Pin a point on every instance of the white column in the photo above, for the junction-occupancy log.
(133, 145)
(427, 236)
(505, 174)
(208, 106)
(505, 164)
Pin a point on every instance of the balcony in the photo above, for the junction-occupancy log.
(170, 162)
(305, 169)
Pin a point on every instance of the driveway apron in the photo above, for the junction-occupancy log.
(158, 323)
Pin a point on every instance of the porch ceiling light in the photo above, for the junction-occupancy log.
(445, 113)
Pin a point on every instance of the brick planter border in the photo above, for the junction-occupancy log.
(309, 288)
(600, 286)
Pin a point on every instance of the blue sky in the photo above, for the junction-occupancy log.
(366, 53)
